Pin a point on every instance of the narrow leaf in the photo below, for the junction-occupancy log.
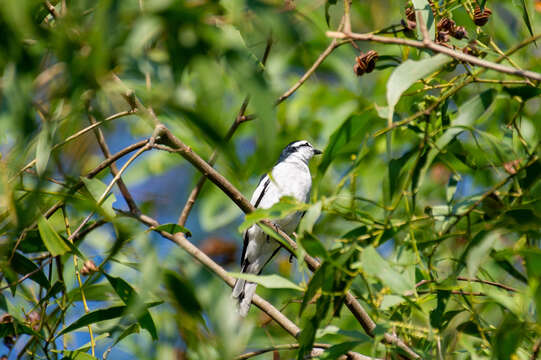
(375, 265)
(130, 297)
(54, 243)
(172, 229)
(43, 150)
(24, 266)
(269, 281)
(96, 188)
(94, 317)
(408, 73)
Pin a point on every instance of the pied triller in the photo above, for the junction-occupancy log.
(289, 177)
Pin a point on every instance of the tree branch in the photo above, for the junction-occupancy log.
(187, 153)
(436, 48)
(114, 170)
(333, 45)
(200, 256)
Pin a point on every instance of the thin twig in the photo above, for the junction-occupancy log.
(147, 147)
(39, 268)
(50, 8)
(333, 45)
(76, 135)
(114, 170)
(437, 48)
(200, 256)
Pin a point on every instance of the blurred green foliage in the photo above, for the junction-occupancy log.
(425, 205)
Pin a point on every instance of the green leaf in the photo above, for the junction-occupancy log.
(468, 113)
(328, 4)
(308, 332)
(376, 266)
(313, 246)
(316, 283)
(54, 243)
(130, 297)
(451, 187)
(132, 329)
(24, 266)
(96, 188)
(43, 150)
(525, 15)
(344, 141)
(287, 205)
(183, 293)
(95, 316)
(523, 92)
(55, 289)
(172, 229)
(310, 217)
(395, 167)
(508, 337)
(407, 73)
(269, 281)
(335, 351)
(77, 355)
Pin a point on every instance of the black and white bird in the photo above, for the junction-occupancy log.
(289, 177)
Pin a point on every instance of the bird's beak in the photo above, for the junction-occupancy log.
(317, 152)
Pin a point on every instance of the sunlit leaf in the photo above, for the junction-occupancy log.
(269, 281)
(54, 243)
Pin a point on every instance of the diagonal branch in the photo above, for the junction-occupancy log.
(429, 44)
(200, 256)
(333, 45)
(187, 153)
(114, 170)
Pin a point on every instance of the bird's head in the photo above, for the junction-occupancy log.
(299, 150)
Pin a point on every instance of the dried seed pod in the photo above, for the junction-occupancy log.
(446, 24)
(89, 268)
(365, 62)
(411, 22)
(459, 32)
(480, 18)
(6, 319)
(442, 37)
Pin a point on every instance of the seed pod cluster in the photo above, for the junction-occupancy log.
(89, 268)
(365, 63)
(480, 18)
(411, 21)
(447, 28)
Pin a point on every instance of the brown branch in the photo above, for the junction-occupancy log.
(187, 153)
(252, 354)
(114, 170)
(200, 256)
(79, 185)
(103, 196)
(333, 45)
(428, 44)
(461, 278)
(50, 8)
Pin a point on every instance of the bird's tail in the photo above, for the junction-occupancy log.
(244, 292)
